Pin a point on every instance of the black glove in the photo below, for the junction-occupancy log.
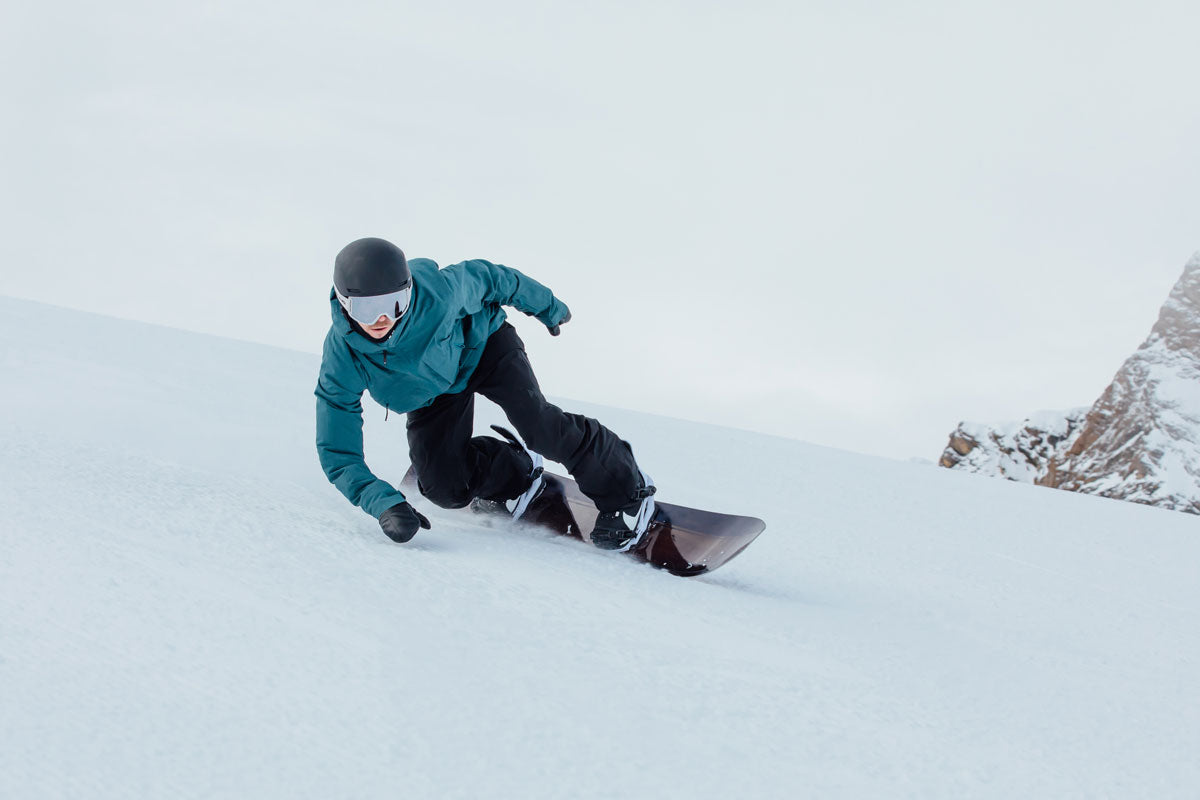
(400, 522)
(555, 330)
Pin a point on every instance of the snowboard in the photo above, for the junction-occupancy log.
(683, 541)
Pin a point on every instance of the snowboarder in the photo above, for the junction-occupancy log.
(425, 341)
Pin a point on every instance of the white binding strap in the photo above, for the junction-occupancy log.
(644, 515)
(530, 493)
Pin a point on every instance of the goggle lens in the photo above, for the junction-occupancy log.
(367, 310)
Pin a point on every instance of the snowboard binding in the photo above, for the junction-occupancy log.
(612, 532)
(536, 483)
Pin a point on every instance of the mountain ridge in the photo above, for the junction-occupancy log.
(1140, 440)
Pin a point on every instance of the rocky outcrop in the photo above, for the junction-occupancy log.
(1139, 442)
(1025, 451)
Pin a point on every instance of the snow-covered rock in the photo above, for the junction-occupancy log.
(1139, 442)
(1022, 451)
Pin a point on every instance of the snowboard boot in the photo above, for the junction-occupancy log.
(489, 508)
(614, 532)
(536, 483)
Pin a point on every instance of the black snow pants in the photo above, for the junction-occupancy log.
(453, 468)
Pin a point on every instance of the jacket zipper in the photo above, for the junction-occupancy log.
(386, 409)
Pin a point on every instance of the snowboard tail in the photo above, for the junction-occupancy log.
(683, 541)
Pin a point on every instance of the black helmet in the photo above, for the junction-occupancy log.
(370, 267)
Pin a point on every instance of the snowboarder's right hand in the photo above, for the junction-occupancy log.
(401, 522)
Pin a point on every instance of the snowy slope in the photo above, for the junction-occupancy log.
(187, 609)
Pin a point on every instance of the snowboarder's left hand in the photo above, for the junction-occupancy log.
(555, 330)
(400, 522)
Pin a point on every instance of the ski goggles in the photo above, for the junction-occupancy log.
(366, 310)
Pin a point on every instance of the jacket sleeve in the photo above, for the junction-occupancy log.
(339, 432)
(483, 282)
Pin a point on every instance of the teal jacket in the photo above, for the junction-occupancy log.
(432, 351)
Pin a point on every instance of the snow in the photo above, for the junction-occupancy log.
(1051, 423)
(188, 609)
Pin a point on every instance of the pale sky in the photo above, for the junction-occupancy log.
(851, 223)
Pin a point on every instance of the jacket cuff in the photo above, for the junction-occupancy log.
(554, 315)
(377, 505)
